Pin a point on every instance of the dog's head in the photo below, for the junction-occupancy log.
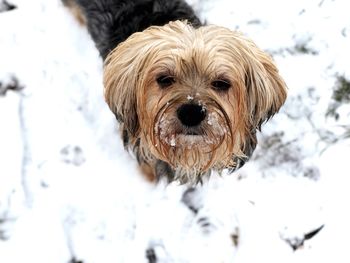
(193, 98)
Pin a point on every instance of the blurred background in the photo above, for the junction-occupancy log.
(69, 192)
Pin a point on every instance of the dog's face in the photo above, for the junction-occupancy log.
(192, 98)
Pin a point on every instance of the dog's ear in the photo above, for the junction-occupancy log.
(122, 73)
(266, 90)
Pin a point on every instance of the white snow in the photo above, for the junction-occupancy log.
(213, 121)
(173, 141)
(69, 190)
(189, 97)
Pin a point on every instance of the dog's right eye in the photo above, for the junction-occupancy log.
(165, 81)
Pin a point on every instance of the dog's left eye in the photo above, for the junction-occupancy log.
(221, 84)
(165, 81)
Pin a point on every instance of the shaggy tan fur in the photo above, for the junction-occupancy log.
(194, 58)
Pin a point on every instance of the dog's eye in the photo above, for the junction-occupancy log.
(165, 81)
(221, 84)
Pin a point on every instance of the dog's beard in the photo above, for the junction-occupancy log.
(194, 151)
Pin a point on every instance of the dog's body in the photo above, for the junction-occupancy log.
(189, 97)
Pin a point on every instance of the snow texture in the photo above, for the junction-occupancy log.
(70, 193)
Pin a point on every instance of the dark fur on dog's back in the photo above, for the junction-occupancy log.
(113, 21)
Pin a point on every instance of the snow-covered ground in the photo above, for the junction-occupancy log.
(70, 193)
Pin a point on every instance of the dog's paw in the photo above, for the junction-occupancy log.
(10, 83)
(6, 6)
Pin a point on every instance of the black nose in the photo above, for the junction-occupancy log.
(191, 114)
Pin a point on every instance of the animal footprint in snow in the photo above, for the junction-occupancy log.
(193, 199)
(9, 83)
(297, 241)
(73, 155)
(206, 224)
(6, 6)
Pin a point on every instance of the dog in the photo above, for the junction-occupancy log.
(189, 97)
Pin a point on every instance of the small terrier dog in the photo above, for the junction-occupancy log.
(189, 97)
